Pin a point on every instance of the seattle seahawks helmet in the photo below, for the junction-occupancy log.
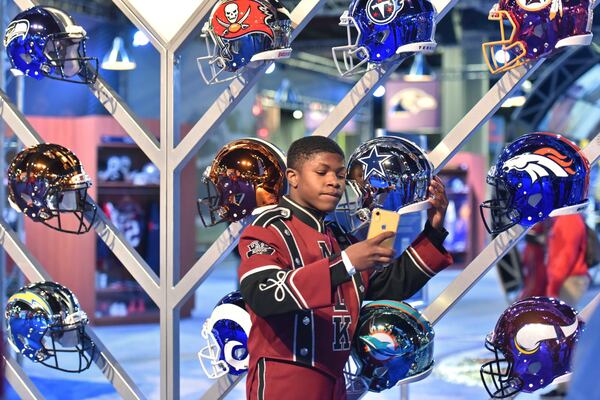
(45, 42)
(539, 175)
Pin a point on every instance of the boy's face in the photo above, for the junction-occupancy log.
(319, 182)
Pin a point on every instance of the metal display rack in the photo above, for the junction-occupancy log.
(169, 155)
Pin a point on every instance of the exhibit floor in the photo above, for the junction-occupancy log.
(458, 347)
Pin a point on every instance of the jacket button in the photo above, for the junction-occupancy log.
(286, 232)
(361, 288)
(297, 261)
(306, 320)
(303, 351)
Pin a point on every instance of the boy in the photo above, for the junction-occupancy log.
(304, 293)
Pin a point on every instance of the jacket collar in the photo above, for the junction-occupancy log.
(309, 216)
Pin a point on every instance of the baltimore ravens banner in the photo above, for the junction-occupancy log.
(412, 106)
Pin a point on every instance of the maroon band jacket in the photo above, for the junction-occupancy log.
(303, 303)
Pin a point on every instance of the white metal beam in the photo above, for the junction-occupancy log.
(34, 271)
(141, 23)
(236, 91)
(19, 380)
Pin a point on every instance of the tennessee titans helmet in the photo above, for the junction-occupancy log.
(533, 344)
(393, 345)
(242, 31)
(47, 183)
(539, 175)
(45, 42)
(378, 30)
(46, 325)
(226, 333)
(387, 172)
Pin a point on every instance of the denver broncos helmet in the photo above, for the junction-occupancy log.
(533, 344)
(539, 175)
(378, 30)
(242, 31)
(537, 28)
(393, 345)
(46, 42)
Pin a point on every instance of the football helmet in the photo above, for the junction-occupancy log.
(536, 176)
(242, 31)
(46, 325)
(46, 42)
(246, 174)
(387, 172)
(532, 343)
(226, 333)
(378, 30)
(532, 29)
(393, 345)
(47, 181)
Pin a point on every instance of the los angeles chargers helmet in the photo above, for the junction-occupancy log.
(387, 172)
(533, 344)
(532, 29)
(539, 175)
(378, 30)
(226, 334)
(242, 31)
(46, 42)
(393, 345)
(46, 325)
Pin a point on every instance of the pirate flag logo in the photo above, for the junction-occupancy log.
(236, 18)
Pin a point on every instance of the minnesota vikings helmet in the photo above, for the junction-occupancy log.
(226, 333)
(46, 325)
(393, 345)
(45, 42)
(538, 28)
(532, 344)
(246, 174)
(242, 31)
(539, 175)
(378, 30)
(387, 172)
(47, 183)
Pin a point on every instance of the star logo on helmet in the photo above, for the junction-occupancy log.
(374, 162)
(383, 11)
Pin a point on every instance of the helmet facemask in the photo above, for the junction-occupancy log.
(355, 58)
(210, 356)
(71, 345)
(513, 52)
(502, 214)
(497, 374)
(67, 60)
(66, 209)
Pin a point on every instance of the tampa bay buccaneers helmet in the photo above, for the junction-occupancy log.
(539, 175)
(47, 183)
(46, 42)
(533, 344)
(246, 174)
(378, 30)
(46, 325)
(226, 334)
(393, 345)
(536, 29)
(242, 31)
(387, 172)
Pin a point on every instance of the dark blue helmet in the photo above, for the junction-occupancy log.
(46, 42)
(46, 325)
(242, 31)
(47, 183)
(226, 333)
(394, 345)
(378, 30)
(539, 175)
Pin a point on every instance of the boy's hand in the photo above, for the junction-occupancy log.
(370, 253)
(439, 203)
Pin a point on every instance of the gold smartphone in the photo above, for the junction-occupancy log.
(383, 221)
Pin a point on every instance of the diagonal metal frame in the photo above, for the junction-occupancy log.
(18, 379)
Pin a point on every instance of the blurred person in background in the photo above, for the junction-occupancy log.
(534, 262)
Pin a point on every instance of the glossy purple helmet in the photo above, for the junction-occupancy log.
(537, 29)
(539, 175)
(246, 174)
(532, 344)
